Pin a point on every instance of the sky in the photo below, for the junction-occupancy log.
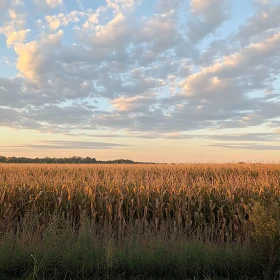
(148, 80)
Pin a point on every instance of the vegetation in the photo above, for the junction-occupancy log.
(71, 160)
(140, 221)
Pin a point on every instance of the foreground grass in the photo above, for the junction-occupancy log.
(85, 256)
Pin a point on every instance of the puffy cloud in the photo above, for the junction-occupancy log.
(209, 15)
(265, 21)
(112, 34)
(218, 77)
(54, 3)
(13, 26)
(93, 19)
(143, 75)
(133, 104)
(168, 5)
(30, 60)
(122, 5)
(56, 21)
(17, 36)
(160, 31)
(34, 58)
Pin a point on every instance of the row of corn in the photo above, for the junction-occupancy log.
(209, 202)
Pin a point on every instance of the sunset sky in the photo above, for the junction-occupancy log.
(147, 80)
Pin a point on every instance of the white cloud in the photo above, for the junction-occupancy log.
(13, 25)
(56, 21)
(112, 34)
(35, 57)
(54, 3)
(29, 59)
(122, 5)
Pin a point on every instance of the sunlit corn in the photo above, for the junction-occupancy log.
(208, 202)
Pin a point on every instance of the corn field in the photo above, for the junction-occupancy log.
(208, 202)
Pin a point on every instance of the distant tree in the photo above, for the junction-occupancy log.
(2, 159)
(70, 160)
(48, 160)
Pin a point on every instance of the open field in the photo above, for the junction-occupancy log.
(140, 221)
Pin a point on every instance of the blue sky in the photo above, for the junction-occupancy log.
(159, 80)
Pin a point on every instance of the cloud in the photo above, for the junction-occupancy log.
(3, 3)
(34, 58)
(119, 68)
(252, 146)
(160, 32)
(29, 60)
(10, 93)
(54, 3)
(17, 36)
(111, 34)
(168, 5)
(214, 51)
(122, 5)
(8, 116)
(265, 21)
(12, 24)
(132, 104)
(71, 145)
(209, 15)
(4, 6)
(220, 76)
(56, 21)
(68, 115)
(261, 137)
(243, 137)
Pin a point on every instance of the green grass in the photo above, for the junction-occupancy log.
(85, 255)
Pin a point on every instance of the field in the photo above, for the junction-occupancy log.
(203, 221)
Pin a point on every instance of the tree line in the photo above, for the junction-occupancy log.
(71, 160)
